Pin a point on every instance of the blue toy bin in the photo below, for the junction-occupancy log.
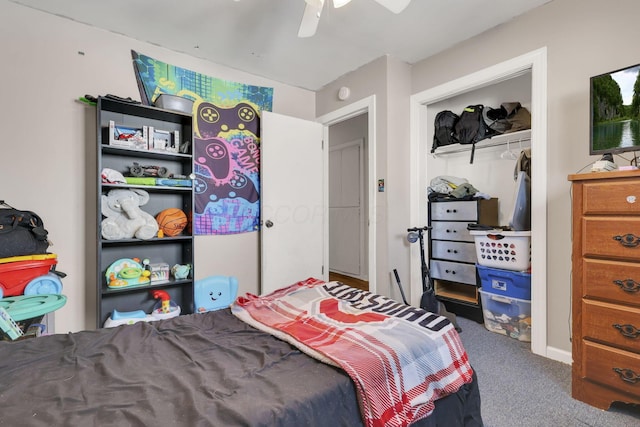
(514, 284)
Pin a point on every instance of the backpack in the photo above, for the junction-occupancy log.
(444, 129)
(496, 120)
(510, 117)
(472, 128)
(21, 233)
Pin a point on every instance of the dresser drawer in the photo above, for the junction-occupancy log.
(454, 251)
(454, 272)
(614, 281)
(616, 237)
(444, 230)
(454, 211)
(620, 198)
(608, 366)
(612, 324)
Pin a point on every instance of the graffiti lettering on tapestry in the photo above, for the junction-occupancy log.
(226, 151)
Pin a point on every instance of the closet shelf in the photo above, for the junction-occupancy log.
(520, 139)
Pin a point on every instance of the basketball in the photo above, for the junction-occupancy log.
(172, 221)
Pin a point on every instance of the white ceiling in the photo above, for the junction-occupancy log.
(260, 36)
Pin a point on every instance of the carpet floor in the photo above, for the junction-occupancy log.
(521, 389)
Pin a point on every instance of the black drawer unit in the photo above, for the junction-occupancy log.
(452, 253)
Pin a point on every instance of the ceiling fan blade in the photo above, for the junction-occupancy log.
(310, 19)
(395, 6)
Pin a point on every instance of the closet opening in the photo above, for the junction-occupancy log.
(520, 79)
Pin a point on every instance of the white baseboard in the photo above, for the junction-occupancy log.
(559, 355)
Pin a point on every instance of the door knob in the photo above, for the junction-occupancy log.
(269, 224)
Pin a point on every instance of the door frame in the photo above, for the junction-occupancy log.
(536, 62)
(364, 106)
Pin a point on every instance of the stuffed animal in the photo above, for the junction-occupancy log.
(180, 271)
(124, 218)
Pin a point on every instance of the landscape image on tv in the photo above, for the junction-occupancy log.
(615, 115)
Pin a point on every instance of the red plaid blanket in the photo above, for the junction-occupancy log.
(400, 358)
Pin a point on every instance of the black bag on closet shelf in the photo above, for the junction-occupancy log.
(472, 128)
(21, 232)
(444, 129)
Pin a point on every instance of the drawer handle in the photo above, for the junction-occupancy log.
(628, 285)
(628, 240)
(452, 210)
(627, 375)
(451, 231)
(452, 250)
(627, 330)
(450, 271)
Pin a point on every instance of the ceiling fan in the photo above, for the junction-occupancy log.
(313, 9)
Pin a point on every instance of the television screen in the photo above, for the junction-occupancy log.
(615, 111)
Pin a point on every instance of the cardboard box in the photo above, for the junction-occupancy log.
(159, 272)
(127, 137)
(163, 140)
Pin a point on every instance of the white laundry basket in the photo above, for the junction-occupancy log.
(509, 250)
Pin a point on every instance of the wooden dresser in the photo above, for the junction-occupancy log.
(606, 287)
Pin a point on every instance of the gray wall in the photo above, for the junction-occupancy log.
(583, 38)
(41, 165)
(389, 80)
(47, 163)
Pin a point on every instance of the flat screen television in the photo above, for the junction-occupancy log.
(615, 111)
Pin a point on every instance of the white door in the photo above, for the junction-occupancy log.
(345, 209)
(292, 201)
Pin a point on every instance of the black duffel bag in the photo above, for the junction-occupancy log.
(21, 232)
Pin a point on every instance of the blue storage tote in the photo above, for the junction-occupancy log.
(507, 316)
(515, 284)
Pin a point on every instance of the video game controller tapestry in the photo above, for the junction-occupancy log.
(226, 123)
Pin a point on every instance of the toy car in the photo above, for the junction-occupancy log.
(150, 170)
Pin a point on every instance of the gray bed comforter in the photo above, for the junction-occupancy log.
(196, 370)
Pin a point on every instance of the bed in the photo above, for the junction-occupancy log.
(210, 369)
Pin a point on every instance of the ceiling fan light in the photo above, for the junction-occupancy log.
(340, 3)
(310, 18)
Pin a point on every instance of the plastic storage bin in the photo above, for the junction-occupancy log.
(514, 284)
(507, 316)
(17, 272)
(509, 250)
